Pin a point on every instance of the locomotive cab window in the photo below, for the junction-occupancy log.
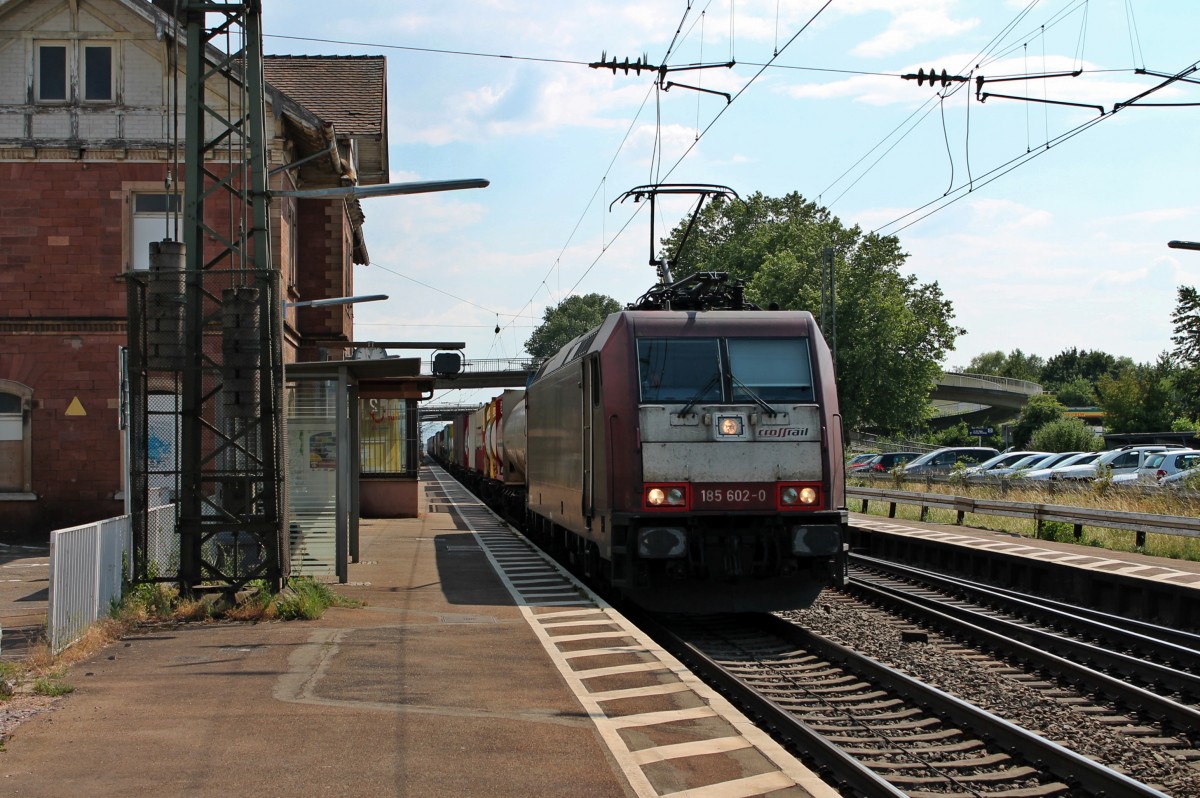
(774, 369)
(679, 369)
(724, 370)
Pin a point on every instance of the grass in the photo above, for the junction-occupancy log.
(1100, 495)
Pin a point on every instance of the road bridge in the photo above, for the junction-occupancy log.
(974, 398)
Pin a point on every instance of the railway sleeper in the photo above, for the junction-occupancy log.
(953, 748)
(990, 760)
(991, 776)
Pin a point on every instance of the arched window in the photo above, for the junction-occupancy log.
(15, 440)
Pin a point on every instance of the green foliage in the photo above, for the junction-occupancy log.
(1059, 531)
(307, 599)
(1040, 410)
(1073, 364)
(51, 686)
(1065, 435)
(1186, 318)
(1138, 398)
(1076, 393)
(1016, 365)
(570, 319)
(892, 332)
(154, 599)
(958, 435)
(1186, 425)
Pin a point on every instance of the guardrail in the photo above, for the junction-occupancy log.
(1078, 517)
(88, 571)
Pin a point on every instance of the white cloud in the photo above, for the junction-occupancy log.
(912, 24)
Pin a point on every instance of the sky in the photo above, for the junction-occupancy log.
(1045, 225)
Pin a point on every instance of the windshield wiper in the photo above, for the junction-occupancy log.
(758, 400)
(700, 394)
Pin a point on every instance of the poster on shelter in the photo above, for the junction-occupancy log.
(322, 451)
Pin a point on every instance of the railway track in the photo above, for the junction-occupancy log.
(1131, 664)
(874, 728)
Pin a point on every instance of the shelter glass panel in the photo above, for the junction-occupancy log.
(312, 453)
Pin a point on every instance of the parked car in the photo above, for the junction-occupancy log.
(859, 459)
(1181, 478)
(1002, 460)
(1117, 461)
(882, 463)
(1160, 465)
(941, 461)
(1044, 474)
(1033, 462)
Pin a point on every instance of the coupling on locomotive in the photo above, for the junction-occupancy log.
(690, 458)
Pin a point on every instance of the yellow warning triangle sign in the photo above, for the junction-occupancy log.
(76, 408)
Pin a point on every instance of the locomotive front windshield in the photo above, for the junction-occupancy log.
(724, 370)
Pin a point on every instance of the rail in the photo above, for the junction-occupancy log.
(1078, 517)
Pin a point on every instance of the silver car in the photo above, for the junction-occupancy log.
(1043, 474)
(1118, 461)
(1161, 465)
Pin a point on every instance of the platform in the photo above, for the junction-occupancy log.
(477, 667)
(1155, 589)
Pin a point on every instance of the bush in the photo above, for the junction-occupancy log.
(1065, 435)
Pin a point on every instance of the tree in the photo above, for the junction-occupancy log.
(1186, 318)
(1065, 435)
(1041, 409)
(1016, 365)
(1076, 393)
(1072, 364)
(570, 319)
(1187, 350)
(1138, 399)
(891, 331)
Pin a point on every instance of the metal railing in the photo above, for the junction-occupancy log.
(1078, 517)
(89, 566)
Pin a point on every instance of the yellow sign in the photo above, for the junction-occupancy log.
(76, 408)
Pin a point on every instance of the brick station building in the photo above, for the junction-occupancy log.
(87, 99)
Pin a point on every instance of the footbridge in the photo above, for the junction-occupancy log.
(974, 398)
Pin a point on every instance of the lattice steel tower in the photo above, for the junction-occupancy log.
(206, 329)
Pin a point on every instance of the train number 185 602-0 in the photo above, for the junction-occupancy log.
(732, 495)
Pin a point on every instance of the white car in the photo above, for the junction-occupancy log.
(987, 467)
(1034, 462)
(1161, 465)
(1043, 474)
(1118, 461)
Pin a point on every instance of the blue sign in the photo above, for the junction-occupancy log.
(979, 432)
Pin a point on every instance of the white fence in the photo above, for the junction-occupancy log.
(88, 566)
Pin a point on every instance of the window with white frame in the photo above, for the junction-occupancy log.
(55, 64)
(151, 220)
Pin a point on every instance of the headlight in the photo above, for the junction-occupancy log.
(799, 496)
(731, 425)
(665, 497)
